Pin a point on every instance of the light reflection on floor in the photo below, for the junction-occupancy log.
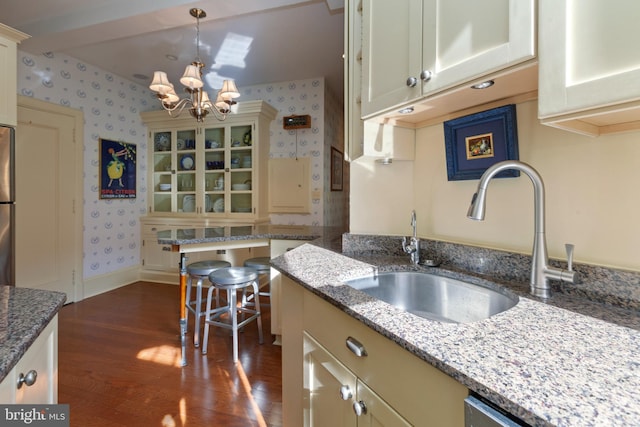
(172, 356)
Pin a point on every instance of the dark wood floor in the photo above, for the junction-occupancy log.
(119, 356)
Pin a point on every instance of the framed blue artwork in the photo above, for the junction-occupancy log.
(475, 142)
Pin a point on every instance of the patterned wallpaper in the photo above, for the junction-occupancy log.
(112, 106)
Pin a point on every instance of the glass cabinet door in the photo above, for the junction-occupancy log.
(240, 175)
(215, 145)
(174, 171)
(228, 152)
(186, 169)
(162, 172)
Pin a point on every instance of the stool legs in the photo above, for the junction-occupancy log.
(197, 310)
(232, 298)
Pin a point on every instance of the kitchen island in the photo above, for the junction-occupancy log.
(225, 236)
(541, 363)
(26, 316)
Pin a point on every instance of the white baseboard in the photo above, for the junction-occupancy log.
(169, 277)
(107, 282)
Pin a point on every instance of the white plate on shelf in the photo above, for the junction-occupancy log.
(218, 206)
(189, 203)
(162, 142)
(187, 162)
(180, 144)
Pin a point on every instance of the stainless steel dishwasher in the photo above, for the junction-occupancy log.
(478, 413)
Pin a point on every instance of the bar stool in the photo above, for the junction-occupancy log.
(199, 271)
(232, 279)
(263, 266)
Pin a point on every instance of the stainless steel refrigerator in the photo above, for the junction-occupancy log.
(7, 206)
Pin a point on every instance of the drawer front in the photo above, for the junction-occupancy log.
(411, 386)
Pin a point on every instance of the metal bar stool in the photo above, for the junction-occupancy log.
(232, 279)
(263, 266)
(199, 271)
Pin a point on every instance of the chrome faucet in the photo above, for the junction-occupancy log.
(541, 272)
(413, 248)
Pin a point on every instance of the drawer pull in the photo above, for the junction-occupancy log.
(166, 248)
(356, 347)
(359, 408)
(28, 380)
(345, 392)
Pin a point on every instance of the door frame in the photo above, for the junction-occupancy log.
(78, 140)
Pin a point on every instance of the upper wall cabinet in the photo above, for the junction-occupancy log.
(589, 65)
(214, 169)
(415, 49)
(9, 38)
(354, 143)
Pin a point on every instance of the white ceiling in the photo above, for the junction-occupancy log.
(251, 41)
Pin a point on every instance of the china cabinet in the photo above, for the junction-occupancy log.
(213, 169)
(34, 379)
(413, 49)
(589, 66)
(9, 38)
(340, 372)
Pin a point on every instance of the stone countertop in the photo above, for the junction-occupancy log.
(325, 236)
(24, 313)
(542, 363)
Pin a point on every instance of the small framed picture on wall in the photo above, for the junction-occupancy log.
(336, 169)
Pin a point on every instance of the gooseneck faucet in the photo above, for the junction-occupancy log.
(413, 248)
(541, 271)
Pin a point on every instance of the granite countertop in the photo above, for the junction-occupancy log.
(24, 313)
(329, 237)
(543, 363)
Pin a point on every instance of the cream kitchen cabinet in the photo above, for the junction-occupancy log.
(34, 379)
(589, 65)
(9, 38)
(388, 380)
(414, 49)
(353, 129)
(215, 169)
(337, 397)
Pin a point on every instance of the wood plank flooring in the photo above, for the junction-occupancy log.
(119, 355)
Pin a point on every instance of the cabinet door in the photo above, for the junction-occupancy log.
(174, 173)
(465, 40)
(391, 53)
(240, 174)
(376, 412)
(42, 359)
(589, 65)
(353, 125)
(329, 387)
(417, 48)
(289, 190)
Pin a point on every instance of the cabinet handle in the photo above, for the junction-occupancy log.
(345, 392)
(356, 347)
(426, 75)
(166, 248)
(359, 408)
(28, 380)
(412, 82)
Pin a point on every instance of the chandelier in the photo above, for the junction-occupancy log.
(198, 101)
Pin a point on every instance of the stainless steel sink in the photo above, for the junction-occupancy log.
(435, 297)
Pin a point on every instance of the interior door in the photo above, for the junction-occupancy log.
(48, 208)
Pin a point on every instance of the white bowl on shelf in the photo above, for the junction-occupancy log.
(240, 187)
(165, 187)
